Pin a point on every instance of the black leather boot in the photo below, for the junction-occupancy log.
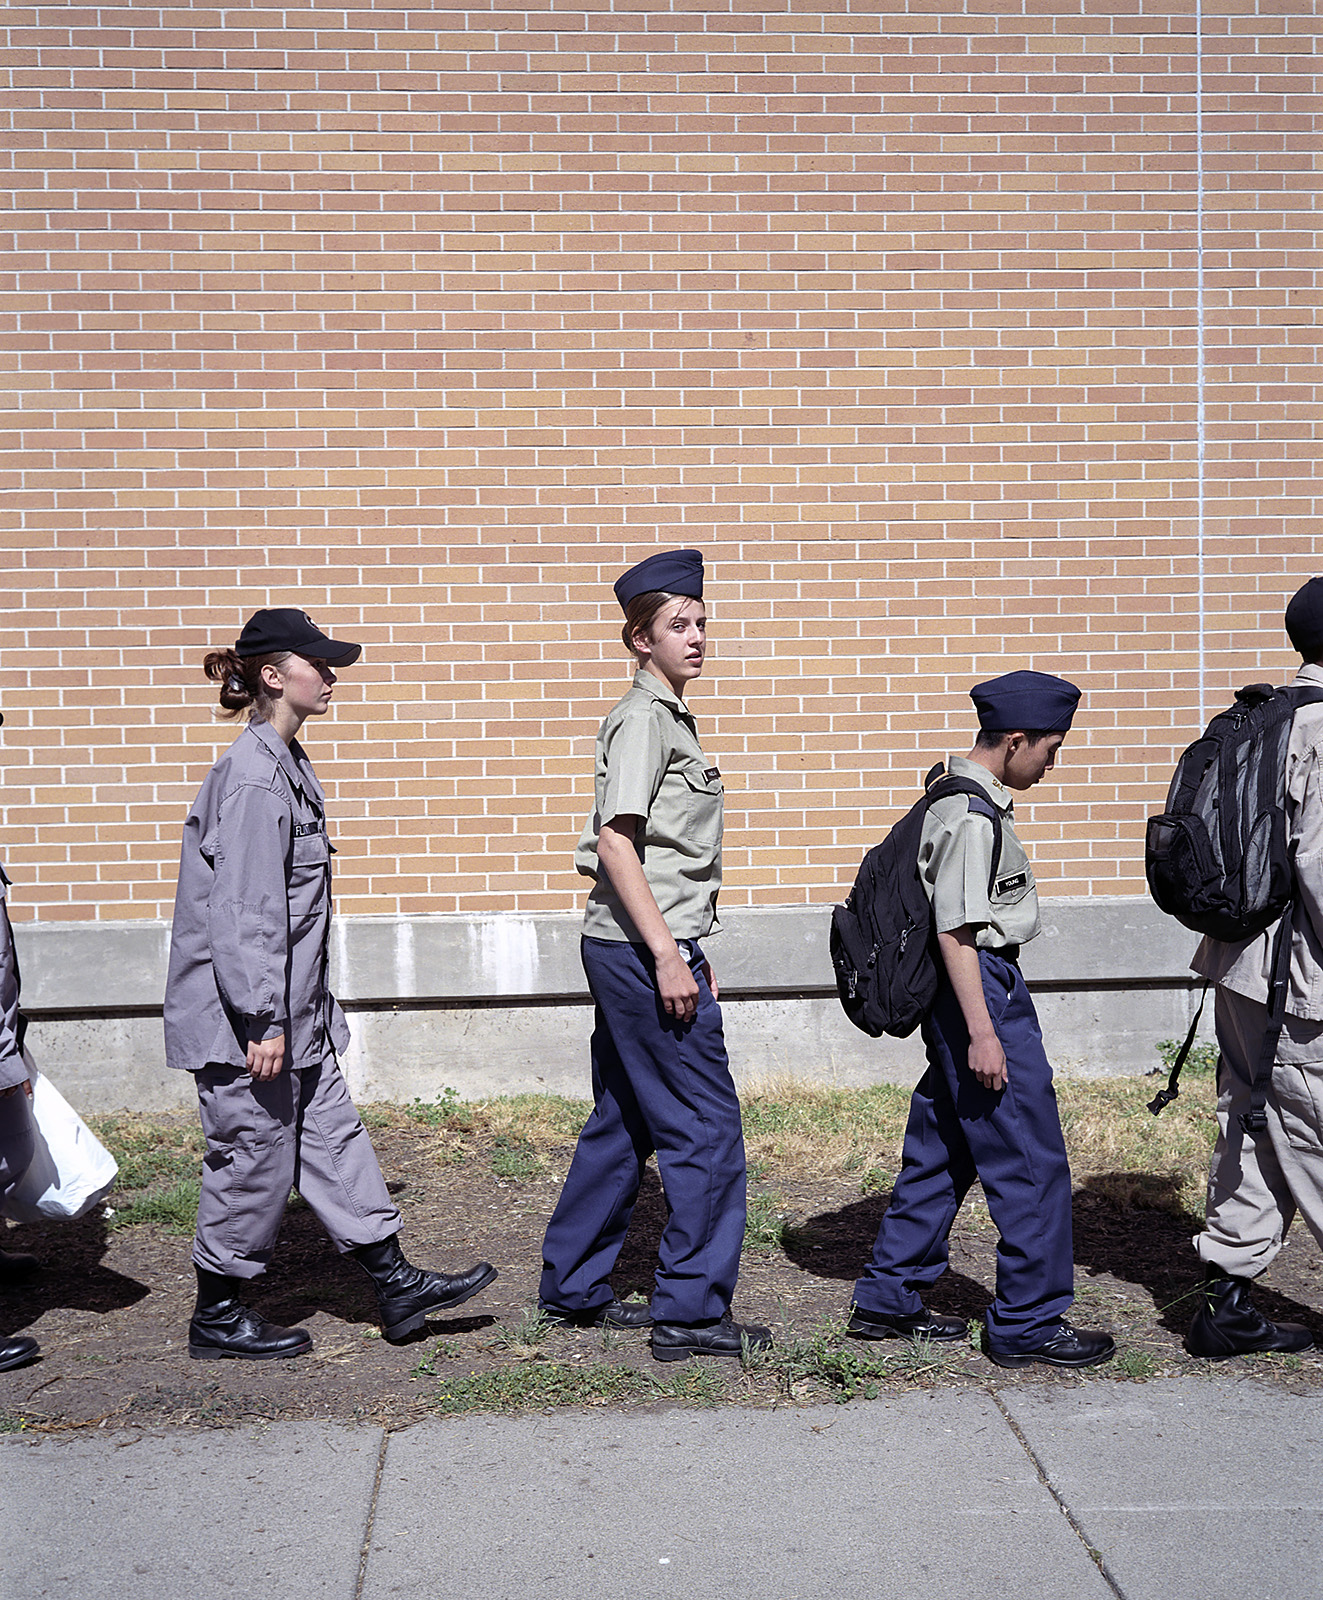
(16, 1267)
(406, 1293)
(17, 1351)
(1229, 1324)
(223, 1326)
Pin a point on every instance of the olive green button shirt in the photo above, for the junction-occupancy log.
(649, 764)
(955, 861)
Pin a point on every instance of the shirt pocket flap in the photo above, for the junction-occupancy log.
(1012, 885)
(311, 848)
(702, 780)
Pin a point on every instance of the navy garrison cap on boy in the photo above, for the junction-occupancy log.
(672, 571)
(1030, 702)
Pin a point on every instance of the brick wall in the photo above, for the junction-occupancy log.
(432, 320)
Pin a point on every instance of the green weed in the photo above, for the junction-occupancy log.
(175, 1208)
(524, 1336)
(512, 1160)
(1137, 1364)
(1200, 1063)
(443, 1350)
(536, 1385)
(846, 1368)
(765, 1224)
(447, 1112)
(149, 1152)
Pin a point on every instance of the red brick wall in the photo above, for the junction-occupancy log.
(432, 320)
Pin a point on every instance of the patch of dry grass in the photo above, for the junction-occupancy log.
(803, 1129)
(1131, 1156)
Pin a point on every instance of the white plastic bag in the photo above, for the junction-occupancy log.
(71, 1171)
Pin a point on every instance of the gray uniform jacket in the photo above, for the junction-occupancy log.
(12, 1067)
(253, 913)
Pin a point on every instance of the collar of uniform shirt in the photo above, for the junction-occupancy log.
(299, 775)
(963, 767)
(650, 682)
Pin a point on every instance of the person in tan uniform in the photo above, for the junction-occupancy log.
(661, 1078)
(1258, 1181)
(985, 1108)
(249, 1011)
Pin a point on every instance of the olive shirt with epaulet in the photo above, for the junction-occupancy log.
(649, 764)
(955, 864)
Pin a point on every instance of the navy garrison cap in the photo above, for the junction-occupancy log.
(268, 633)
(672, 571)
(1304, 619)
(1030, 702)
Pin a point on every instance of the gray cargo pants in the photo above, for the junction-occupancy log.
(17, 1145)
(296, 1131)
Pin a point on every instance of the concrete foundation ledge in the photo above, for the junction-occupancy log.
(498, 1004)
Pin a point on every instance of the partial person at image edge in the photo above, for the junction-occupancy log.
(1257, 1181)
(17, 1145)
(249, 1012)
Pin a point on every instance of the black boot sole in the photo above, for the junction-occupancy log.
(1249, 1350)
(416, 1321)
(211, 1352)
(877, 1333)
(688, 1352)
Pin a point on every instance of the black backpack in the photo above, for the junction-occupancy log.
(882, 943)
(1218, 858)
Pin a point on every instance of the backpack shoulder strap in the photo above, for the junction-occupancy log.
(944, 787)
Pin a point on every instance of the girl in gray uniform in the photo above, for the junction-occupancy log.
(249, 1013)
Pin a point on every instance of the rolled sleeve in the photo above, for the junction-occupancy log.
(248, 913)
(955, 864)
(635, 761)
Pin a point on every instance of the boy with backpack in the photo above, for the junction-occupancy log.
(985, 1108)
(1261, 1175)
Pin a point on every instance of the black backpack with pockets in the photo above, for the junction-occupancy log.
(882, 942)
(1218, 859)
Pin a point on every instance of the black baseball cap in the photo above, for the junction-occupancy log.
(268, 633)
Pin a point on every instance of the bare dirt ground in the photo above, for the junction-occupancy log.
(111, 1308)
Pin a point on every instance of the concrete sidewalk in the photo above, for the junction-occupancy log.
(1149, 1491)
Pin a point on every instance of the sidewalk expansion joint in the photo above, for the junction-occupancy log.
(370, 1529)
(1096, 1556)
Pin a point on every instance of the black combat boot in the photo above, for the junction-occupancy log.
(16, 1267)
(1229, 1324)
(223, 1326)
(406, 1293)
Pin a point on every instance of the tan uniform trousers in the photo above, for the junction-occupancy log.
(296, 1131)
(1257, 1182)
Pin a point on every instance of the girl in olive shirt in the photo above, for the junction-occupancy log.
(661, 1079)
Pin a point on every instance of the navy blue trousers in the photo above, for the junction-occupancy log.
(657, 1086)
(1010, 1139)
